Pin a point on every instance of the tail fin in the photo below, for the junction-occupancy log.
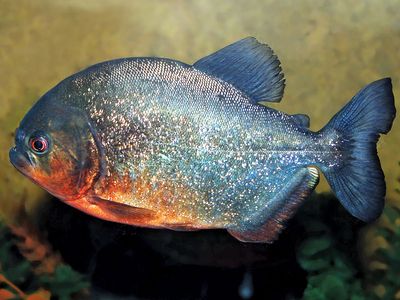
(359, 183)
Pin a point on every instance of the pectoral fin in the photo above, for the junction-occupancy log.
(116, 212)
(265, 225)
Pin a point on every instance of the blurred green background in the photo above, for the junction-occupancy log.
(328, 49)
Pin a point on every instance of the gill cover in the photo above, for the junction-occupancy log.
(72, 164)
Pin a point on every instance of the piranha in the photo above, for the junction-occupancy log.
(158, 143)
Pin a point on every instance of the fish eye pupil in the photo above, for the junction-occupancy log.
(39, 144)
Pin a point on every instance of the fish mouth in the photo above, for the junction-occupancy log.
(21, 161)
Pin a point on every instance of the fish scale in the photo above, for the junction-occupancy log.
(158, 143)
(170, 108)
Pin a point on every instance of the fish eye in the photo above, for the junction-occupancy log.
(39, 143)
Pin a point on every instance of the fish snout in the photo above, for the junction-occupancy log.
(21, 161)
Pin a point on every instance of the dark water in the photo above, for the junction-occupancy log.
(161, 264)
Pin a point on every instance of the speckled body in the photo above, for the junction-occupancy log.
(158, 143)
(191, 148)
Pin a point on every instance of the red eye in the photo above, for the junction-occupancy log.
(39, 144)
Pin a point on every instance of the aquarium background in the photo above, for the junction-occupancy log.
(328, 50)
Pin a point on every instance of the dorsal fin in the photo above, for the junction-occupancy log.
(302, 120)
(248, 65)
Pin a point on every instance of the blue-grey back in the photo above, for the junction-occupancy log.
(152, 92)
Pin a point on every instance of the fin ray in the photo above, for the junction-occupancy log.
(120, 212)
(248, 65)
(359, 182)
(268, 223)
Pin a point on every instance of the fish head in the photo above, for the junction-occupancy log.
(57, 148)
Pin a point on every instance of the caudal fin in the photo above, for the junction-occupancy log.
(359, 182)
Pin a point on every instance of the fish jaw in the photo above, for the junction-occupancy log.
(58, 186)
(23, 162)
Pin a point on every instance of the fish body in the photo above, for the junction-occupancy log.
(158, 143)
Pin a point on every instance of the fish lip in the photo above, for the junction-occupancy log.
(22, 162)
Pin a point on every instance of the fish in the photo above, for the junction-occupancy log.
(155, 142)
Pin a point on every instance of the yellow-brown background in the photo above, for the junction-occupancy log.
(328, 49)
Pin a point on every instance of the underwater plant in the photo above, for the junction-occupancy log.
(388, 256)
(330, 256)
(29, 270)
(326, 253)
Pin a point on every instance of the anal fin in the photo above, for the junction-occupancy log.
(265, 226)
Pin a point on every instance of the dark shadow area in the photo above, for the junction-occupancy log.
(317, 255)
(165, 264)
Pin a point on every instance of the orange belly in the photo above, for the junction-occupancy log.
(146, 202)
